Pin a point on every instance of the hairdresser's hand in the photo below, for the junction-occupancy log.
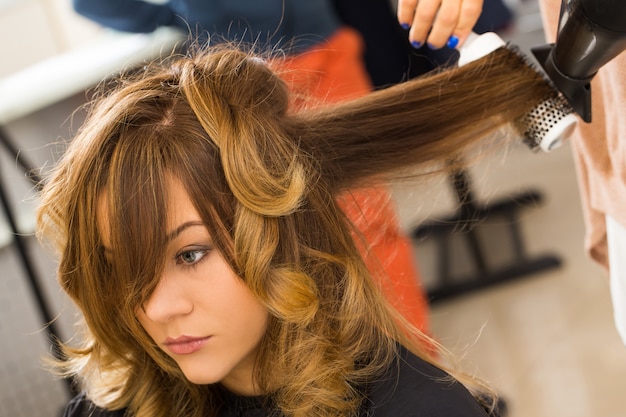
(438, 23)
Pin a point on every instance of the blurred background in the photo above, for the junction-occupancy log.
(543, 338)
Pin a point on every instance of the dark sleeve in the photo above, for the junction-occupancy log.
(415, 388)
(126, 15)
(389, 57)
(80, 406)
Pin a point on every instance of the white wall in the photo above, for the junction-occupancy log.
(32, 30)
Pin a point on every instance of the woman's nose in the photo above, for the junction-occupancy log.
(168, 301)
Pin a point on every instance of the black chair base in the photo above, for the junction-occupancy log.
(466, 223)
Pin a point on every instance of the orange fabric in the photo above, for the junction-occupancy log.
(390, 258)
(331, 72)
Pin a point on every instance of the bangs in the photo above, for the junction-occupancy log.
(136, 193)
(145, 155)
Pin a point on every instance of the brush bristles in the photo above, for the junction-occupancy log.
(541, 120)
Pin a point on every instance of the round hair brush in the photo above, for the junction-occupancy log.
(550, 122)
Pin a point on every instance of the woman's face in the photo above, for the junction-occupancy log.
(201, 314)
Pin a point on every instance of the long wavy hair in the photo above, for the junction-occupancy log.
(265, 180)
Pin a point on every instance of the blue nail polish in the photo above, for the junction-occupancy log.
(416, 44)
(433, 47)
(405, 26)
(452, 42)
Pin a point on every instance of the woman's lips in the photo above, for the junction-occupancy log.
(184, 345)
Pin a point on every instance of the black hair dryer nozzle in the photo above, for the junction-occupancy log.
(591, 33)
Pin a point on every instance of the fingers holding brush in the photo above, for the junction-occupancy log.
(438, 23)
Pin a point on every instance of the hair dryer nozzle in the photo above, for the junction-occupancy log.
(576, 91)
(591, 33)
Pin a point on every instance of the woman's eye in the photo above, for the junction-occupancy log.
(191, 257)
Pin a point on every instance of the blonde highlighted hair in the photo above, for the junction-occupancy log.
(264, 179)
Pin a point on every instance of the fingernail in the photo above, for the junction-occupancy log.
(416, 44)
(433, 47)
(405, 26)
(452, 42)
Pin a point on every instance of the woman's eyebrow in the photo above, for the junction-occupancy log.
(171, 236)
(174, 233)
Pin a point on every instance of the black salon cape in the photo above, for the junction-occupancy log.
(412, 388)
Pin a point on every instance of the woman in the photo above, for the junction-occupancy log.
(325, 61)
(219, 276)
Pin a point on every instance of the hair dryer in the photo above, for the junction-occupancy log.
(591, 33)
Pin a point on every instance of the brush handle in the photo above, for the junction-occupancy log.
(477, 46)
